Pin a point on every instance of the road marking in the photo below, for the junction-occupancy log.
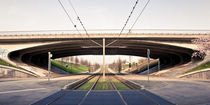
(14, 91)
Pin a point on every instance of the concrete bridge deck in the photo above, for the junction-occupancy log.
(172, 49)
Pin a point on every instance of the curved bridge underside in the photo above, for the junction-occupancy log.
(169, 55)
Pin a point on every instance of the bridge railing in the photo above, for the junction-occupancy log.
(106, 31)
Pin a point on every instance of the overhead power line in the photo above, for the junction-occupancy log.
(68, 16)
(129, 17)
(126, 22)
(139, 15)
(78, 18)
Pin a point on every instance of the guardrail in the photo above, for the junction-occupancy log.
(107, 31)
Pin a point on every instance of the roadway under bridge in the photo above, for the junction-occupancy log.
(171, 49)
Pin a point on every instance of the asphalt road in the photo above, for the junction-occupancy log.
(25, 92)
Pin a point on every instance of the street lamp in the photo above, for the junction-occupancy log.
(148, 59)
(49, 65)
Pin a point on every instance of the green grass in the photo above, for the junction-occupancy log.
(3, 62)
(119, 85)
(72, 68)
(203, 66)
(126, 66)
(103, 85)
(106, 70)
(88, 85)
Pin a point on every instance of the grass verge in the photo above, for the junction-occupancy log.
(70, 67)
(3, 62)
(203, 66)
(88, 85)
(119, 85)
(103, 85)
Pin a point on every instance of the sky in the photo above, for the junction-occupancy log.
(23, 15)
(30, 15)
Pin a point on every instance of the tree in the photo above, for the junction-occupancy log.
(89, 68)
(71, 59)
(142, 60)
(86, 62)
(81, 61)
(124, 61)
(76, 60)
(119, 65)
(96, 66)
(62, 59)
(203, 44)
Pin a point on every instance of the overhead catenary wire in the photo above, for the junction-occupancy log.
(78, 18)
(126, 22)
(68, 16)
(140, 14)
(129, 17)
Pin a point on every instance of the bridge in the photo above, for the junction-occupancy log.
(171, 48)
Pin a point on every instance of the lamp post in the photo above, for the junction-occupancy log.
(158, 64)
(49, 65)
(148, 59)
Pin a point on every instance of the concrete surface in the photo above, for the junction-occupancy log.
(178, 91)
(25, 92)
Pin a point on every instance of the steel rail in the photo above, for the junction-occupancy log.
(88, 78)
(118, 92)
(83, 99)
(136, 90)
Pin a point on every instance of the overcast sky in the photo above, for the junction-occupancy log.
(17, 15)
(27, 15)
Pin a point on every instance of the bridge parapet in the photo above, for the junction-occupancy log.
(104, 35)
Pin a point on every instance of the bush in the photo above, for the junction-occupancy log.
(198, 55)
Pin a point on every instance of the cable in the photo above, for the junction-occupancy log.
(139, 15)
(129, 17)
(125, 22)
(68, 16)
(82, 23)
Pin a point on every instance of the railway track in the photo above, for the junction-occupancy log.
(88, 89)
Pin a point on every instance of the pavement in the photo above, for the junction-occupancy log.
(29, 90)
(176, 90)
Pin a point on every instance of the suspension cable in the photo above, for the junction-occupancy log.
(125, 22)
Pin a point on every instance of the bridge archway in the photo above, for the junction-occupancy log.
(169, 55)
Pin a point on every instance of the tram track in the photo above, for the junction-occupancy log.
(115, 88)
(119, 86)
(93, 86)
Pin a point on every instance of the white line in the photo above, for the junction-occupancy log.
(14, 91)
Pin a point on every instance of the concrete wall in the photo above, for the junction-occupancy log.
(203, 74)
(10, 73)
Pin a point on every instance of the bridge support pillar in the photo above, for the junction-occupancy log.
(104, 65)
